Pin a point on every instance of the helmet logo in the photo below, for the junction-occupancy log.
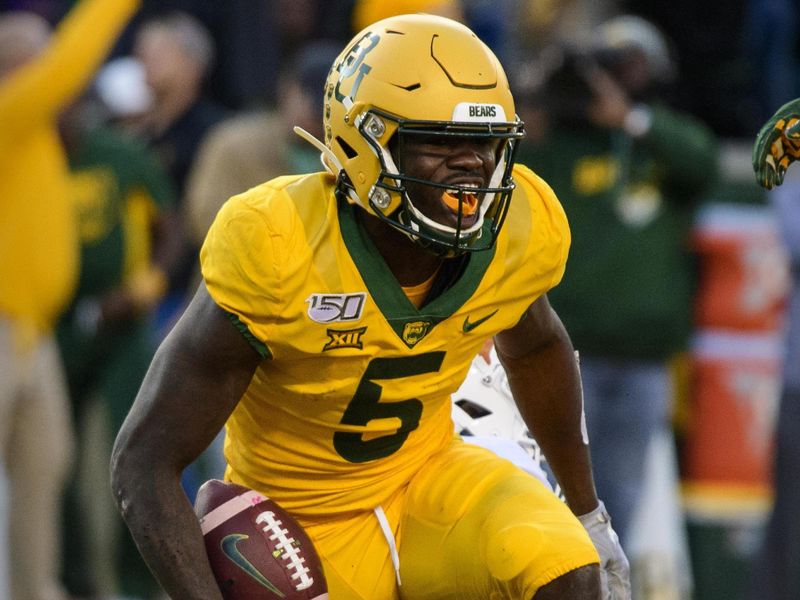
(354, 61)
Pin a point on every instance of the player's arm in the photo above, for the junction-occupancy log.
(545, 382)
(79, 45)
(540, 362)
(196, 379)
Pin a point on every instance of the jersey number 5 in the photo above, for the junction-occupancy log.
(366, 406)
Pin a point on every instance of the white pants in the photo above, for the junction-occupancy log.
(36, 446)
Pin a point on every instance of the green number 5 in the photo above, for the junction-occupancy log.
(366, 406)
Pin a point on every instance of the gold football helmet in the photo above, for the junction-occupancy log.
(419, 74)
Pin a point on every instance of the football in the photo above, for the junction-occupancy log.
(256, 550)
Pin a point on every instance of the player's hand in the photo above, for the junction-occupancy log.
(777, 145)
(615, 571)
(610, 103)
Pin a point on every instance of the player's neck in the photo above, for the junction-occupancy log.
(410, 264)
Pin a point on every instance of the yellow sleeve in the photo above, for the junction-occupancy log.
(52, 80)
(240, 262)
(551, 237)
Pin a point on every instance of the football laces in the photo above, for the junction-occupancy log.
(288, 548)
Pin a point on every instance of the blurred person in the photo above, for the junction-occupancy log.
(121, 92)
(629, 171)
(776, 572)
(259, 38)
(255, 147)
(350, 429)
(40, 74)
(125, 206)
(538, 26)
(177, 52)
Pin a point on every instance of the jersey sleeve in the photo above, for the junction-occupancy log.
(550, 240)
(240, 263)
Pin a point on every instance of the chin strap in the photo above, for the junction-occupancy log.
(327, 157)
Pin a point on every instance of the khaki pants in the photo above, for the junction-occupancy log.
(36, 446)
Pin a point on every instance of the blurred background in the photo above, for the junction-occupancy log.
(681, 290)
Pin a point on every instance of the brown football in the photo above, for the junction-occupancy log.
(256, 550)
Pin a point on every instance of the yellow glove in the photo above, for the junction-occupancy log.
(777, 145)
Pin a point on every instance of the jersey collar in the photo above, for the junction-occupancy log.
(386, 291)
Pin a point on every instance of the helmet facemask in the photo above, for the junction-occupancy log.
(489, 203)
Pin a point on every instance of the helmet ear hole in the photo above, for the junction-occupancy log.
(348, 150)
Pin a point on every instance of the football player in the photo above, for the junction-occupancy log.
(777, 145)
(339, 312)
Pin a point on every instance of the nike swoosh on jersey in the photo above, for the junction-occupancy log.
(228, 545)
(470, 326)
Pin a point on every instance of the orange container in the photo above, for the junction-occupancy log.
(744, 269)
(735, 392)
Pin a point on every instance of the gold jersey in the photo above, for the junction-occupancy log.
(354, 393)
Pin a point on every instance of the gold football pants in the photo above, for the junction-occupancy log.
(470, 525)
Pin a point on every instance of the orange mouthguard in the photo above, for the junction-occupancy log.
(469, 203)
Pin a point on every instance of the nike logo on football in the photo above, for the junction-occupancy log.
(228, 545)
(470, 326)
